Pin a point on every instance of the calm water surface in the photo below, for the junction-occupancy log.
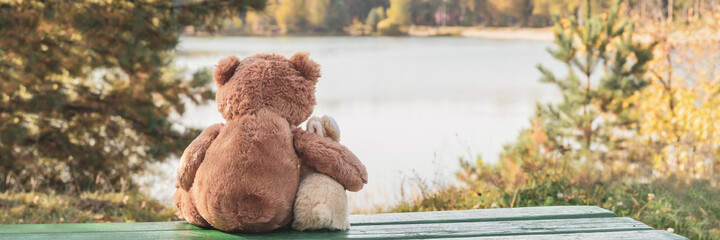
(407, 107)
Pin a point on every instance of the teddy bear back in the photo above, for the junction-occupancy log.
(263, 81)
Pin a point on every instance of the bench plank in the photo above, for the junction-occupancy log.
(499, 228)
(478, 215)
(97, 227)
(400, 231)
(568, 222)
(482, 215)
(160, 235)
(626, 235)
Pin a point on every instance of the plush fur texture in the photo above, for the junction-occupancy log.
(243, 176)
(321, 202)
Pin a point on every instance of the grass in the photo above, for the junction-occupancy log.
(87, 207)
(688, 209)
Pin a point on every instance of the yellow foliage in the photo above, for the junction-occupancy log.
(389, 27)
(316, 10)
(399, 12)
(680, 111)
(287, 14)
(549, 7)
(259, 21)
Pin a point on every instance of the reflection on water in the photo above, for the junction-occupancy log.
(406, 106)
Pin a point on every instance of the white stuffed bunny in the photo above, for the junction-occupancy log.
(321, 203)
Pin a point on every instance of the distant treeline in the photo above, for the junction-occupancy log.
(390, 17)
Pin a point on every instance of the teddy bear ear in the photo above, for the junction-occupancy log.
(309, 69)
(225, 69)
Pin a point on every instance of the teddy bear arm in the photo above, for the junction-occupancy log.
(194, 154)
(331, 158)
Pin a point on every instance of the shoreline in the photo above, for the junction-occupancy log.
(493, 33)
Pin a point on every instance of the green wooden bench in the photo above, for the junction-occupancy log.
(576, 222)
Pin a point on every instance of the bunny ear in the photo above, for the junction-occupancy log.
(331, 128)
(309, 69)
(225, 69)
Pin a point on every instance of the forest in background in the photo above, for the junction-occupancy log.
(395, 17)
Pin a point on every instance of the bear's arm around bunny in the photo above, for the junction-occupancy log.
(331, 158)
(194, 154)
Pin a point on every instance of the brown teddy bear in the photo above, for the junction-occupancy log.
(242, 176)
(321, 202)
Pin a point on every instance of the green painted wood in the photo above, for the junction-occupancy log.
(537, 222)
(401, 231)
(484, 215)
(96, 227)
(143, 235)
(499, 228)
(161, 235)
(625, 235)
(480, 215)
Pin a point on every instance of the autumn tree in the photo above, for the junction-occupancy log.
(398, 18)
(374, 16)
(519, 11)
(316, 12)
(288, 15)
(360, 9)
(546, 8)
(337, 16)
(89, 88)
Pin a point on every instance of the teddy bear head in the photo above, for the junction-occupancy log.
(267, 81)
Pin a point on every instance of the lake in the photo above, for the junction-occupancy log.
(408, 107)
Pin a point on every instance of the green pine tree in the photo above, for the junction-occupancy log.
(590, 125)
